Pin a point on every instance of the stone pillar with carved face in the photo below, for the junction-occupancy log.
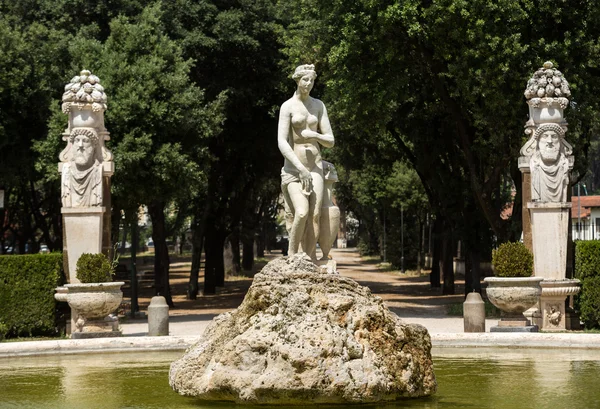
(546, 161)
(85, 166)
(549, 165)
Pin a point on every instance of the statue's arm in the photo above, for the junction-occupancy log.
(325, 138)
(283, 135)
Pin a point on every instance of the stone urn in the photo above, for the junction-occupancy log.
(513, 295)
(92, 303)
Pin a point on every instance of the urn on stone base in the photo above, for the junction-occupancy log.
(513, 295)
(92, 303)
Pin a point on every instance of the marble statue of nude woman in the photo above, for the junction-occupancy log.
(303, 128)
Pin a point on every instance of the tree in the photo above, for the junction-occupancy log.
(28, 84)
(236, 45)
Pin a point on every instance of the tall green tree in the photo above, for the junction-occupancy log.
(236, 45)
(28, 84)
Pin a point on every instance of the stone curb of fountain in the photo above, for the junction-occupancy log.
(179, 343)
(96, 345)
(516, 340)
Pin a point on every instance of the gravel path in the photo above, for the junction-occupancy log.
(408, 295)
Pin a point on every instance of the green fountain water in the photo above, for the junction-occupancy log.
(467, 378)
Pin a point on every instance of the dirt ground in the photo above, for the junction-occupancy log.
(408, 295)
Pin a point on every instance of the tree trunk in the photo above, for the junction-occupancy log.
(260, 244)
(421, 246)
(248, 253)
(473, 272)
(115, 225)
(181, 243)
(435, 275)
(161, 251)
(446, 264)
(214, 272)
(219, 261)
(124, 239)
(234, 241)
(197, 240)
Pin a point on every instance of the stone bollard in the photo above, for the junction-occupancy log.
(158, 317)
(474, 313)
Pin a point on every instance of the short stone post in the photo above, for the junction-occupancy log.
(158, 317)
(474, 313)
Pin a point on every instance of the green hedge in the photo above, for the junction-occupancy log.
(27, 283)
(587, 269)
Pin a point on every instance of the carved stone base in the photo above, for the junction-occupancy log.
(534, 315)
(527, 328)
(97, 328)
(101, 334)
(514, 323)
(552, 303)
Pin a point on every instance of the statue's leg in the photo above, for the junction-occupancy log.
(288, 208)
(311, 235)
(300, 208)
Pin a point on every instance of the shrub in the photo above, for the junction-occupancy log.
(512, 260)
(94, 268)
(589, 302)
(3, 330)
(587, 269)
(27, 283)
(587, 259)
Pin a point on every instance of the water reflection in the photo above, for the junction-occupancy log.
(467, 378)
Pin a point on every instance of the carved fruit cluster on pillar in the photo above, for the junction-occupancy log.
(548, 82)
(547, 155)
(85, 160)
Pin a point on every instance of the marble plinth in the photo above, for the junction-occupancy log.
(83, 234)
(550, 223)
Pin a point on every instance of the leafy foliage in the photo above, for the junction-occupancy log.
(587, 269)
(94, 268)
(512, 260)
(377, 194)
(589, 302)
(587, 259)
(27, 284)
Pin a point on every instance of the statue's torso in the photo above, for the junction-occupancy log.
(308, 151)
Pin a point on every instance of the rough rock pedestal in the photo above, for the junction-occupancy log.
(303, 336)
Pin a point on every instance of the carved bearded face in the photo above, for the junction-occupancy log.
(549, 145)
(84, 151)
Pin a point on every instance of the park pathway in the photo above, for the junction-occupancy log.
(408, 295)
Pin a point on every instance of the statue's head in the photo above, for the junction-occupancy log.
(549, 141)
(305, 75)
(84, 143)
